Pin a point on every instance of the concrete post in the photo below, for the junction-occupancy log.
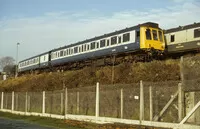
(13, 101)
(77, 101)
(141, 102)
(66, 101)
(61, 103)
(97, 101)
(2, 100)
(180, 102)
(26, 102)
(150, 104)
(122, 103)
(16, 102)
(43, 102)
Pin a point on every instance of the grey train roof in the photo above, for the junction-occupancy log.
(182, 28)
(149, 24)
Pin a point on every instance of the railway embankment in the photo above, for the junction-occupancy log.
(120, 74)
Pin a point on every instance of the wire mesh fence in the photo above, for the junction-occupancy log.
(19, 101)
(54, 102)
(7, 101)
(162, 93)
(35, 102)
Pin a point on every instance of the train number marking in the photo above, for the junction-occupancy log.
(179, 46)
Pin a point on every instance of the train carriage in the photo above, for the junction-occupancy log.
(183, 39)
(145, 39)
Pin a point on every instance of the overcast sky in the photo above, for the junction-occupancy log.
(41, 25)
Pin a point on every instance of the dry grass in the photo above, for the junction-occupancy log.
(123, 73)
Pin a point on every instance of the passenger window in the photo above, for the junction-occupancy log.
(93, 45)
(155, 35)
(172, 38)
(88, 47)
(75, 50)
(97, 45)
(138, 35)
(108, 42)
(160, 36)
(82, 47)
(119, 39)
(71, 51)
(102, 43)
(148, 34)
(126, 37)
(113, 40)
(61, 53)
(197, 33)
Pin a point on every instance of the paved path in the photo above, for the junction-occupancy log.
(18, 124)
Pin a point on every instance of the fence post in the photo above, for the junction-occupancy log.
(151, 103)
(1, 100)
(77, 102)
(61, 102)
(16, 103)
(13, 101)
(141, 102)
(66, 101)
(180, 102)
(122, 103)
(43, 102)
(26, 102)
(97, 101)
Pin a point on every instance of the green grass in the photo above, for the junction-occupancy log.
(44, 121)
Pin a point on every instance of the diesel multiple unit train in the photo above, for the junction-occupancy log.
(144, 41)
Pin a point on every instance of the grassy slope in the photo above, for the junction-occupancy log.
(124, 73)
(48, 122)
(71, 124)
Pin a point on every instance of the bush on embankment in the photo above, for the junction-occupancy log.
(123, 73)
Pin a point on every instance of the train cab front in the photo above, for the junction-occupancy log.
(152, 40)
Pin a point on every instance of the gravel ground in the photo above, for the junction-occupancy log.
(18, 124)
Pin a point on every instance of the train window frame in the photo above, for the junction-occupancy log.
(85, 47)
(119, 39)
(126, 37)
(148, 35)
(160, 34)
(61, 53)
(92, 45)
(97, 45)
(82, 47)
(197, 33)
(172, 38)
(88, 47)
(113, 40)
(155, 34)
(75, 49)
(102, 43)
(108, 42)
(138, 35)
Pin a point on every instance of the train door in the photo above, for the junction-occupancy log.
(137, 36)
(49, 60)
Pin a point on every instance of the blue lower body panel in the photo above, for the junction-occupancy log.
(29, 68)
(99, 53)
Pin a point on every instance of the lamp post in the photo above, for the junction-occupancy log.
(16, 69)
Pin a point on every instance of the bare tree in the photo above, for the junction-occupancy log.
(7, 63)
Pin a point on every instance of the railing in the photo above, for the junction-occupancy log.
(144, 103)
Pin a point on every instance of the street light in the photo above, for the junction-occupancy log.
(16, 69)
